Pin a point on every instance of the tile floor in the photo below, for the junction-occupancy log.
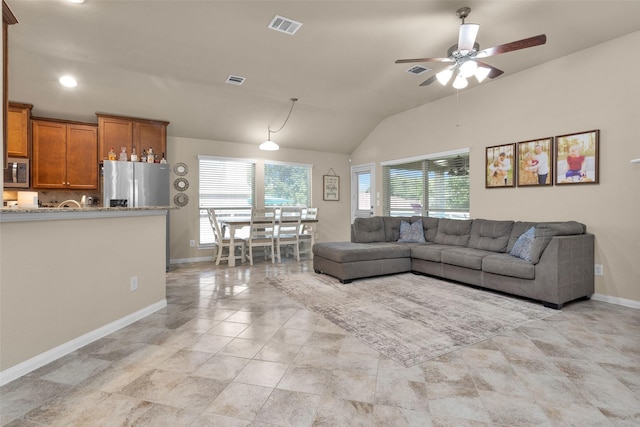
(230, 350)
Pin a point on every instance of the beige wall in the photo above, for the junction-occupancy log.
(333, 216)
(65, 278)
(589, 90)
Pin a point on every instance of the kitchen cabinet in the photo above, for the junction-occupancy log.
(120, 131)
(18, 129)
(65, 155)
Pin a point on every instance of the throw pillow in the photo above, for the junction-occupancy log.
(411, 233)
(524, 244)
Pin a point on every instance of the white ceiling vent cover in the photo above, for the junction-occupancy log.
(418, 69)
(235, 80)
(284, 25)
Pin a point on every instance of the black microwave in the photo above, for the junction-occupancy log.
(16, 175)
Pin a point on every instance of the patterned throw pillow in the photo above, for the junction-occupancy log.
(522, 247)
(411, 233)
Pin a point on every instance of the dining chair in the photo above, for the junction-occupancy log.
(221, 242)
(288, 230)
(262, 232)
(307, 232)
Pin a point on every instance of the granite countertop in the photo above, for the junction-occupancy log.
(47, 214)
(5, 209)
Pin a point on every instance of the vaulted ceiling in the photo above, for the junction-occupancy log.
(169, 60)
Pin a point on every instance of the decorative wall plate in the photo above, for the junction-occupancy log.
(180, 169)
(181, 199)
(181, 184)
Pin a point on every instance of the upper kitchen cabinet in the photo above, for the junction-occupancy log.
(118, 131)
(18, 129)
(65, 155)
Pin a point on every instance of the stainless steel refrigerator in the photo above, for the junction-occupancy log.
(140, 184)
(136, 184)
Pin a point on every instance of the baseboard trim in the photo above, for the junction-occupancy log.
(190, 260)
(42, 359)
(616, 300)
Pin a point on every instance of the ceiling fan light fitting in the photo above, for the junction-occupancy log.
(482, 73)
(468, 68)
(460, 82)
(444, 76)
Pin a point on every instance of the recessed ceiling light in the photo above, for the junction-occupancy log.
(68, 81)
(76, 1)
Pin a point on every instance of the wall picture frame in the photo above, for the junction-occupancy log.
(331, 187)
(577, 158)
(535, 162)
(499, 161)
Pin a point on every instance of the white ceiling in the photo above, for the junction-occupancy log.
(169, 60)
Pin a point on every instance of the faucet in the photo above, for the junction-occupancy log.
(62, 205)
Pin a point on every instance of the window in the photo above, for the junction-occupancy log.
(287, 184)
(436, 186)
(224, 182)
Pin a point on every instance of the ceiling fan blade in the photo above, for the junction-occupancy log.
(408, 61)
(510, 47)
(428, 81)
(495, 72)
(467, 37)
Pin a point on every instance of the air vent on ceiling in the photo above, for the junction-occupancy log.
(235, 80)
(418, 69)
(284, 25)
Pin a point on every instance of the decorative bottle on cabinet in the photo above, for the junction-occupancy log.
(112, 154)
(150, 157)
(134, 156)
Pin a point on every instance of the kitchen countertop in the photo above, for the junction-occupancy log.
(45, 214)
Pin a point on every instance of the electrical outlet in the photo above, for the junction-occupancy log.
(192, 243)
(133, 283)
(598, 270)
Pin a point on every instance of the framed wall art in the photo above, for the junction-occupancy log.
(331, 187)
(499, 166)
(577, 158)
(535, 162)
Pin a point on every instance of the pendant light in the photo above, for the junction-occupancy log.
(269, 145)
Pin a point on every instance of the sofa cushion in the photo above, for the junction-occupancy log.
(454, 232)
(519, 228)
(524, 245)
(352, 252)
(490, 235)
(411, 233)
(430, 252)
(507, 265)
(465, 257)
(367, 230)
(430, 226)
(392, 227)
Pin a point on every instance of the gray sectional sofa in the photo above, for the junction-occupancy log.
(551, 262)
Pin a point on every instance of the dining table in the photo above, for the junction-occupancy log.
(234, 223)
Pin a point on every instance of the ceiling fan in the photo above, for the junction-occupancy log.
(465, 55)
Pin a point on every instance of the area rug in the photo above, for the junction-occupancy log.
(410, 318)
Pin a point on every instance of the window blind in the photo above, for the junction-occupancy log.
(436, 186)
(287, 184)
(223, 183)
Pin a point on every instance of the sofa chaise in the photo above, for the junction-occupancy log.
(551, 262)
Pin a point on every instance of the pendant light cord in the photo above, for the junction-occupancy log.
(293, 101)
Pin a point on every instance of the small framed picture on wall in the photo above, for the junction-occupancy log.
(535, 162)
(499, 163)
(577, 158)
(331, 187)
